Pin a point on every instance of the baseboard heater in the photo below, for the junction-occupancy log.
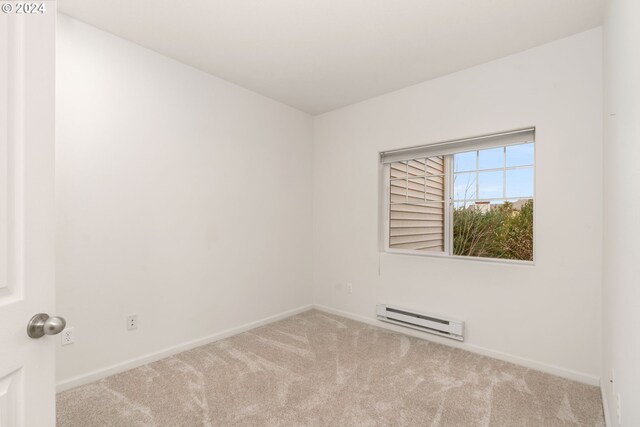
(422, 322)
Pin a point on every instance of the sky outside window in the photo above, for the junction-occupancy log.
(474, 172)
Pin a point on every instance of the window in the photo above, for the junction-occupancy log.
(471, 198)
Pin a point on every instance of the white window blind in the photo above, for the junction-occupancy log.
(457, 146)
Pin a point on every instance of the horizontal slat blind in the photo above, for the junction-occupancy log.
(417, 204)
(458, 146)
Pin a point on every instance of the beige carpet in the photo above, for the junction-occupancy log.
(316, 369)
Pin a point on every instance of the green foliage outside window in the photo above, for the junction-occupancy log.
(500, 232)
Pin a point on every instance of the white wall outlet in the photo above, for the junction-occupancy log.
(67, 336)
(350, 287)
(132, 322)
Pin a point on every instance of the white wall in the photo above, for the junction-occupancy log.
(547, 315)
(621, 292)
(180, 197)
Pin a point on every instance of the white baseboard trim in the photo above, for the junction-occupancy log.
(605, 405)
(152, 357)
(517, 360)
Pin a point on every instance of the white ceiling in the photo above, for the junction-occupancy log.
(318, 55)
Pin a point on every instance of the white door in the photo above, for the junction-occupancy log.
(27, 53)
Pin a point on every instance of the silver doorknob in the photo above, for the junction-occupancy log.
(41, 324)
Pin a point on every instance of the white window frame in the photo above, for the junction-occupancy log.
(465, 145)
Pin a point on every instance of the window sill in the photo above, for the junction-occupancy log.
(443, 255)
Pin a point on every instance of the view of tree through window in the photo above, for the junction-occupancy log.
(493, 202)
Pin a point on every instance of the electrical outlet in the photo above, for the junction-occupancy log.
(132, 322)
(67, 336)
(350, 288)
